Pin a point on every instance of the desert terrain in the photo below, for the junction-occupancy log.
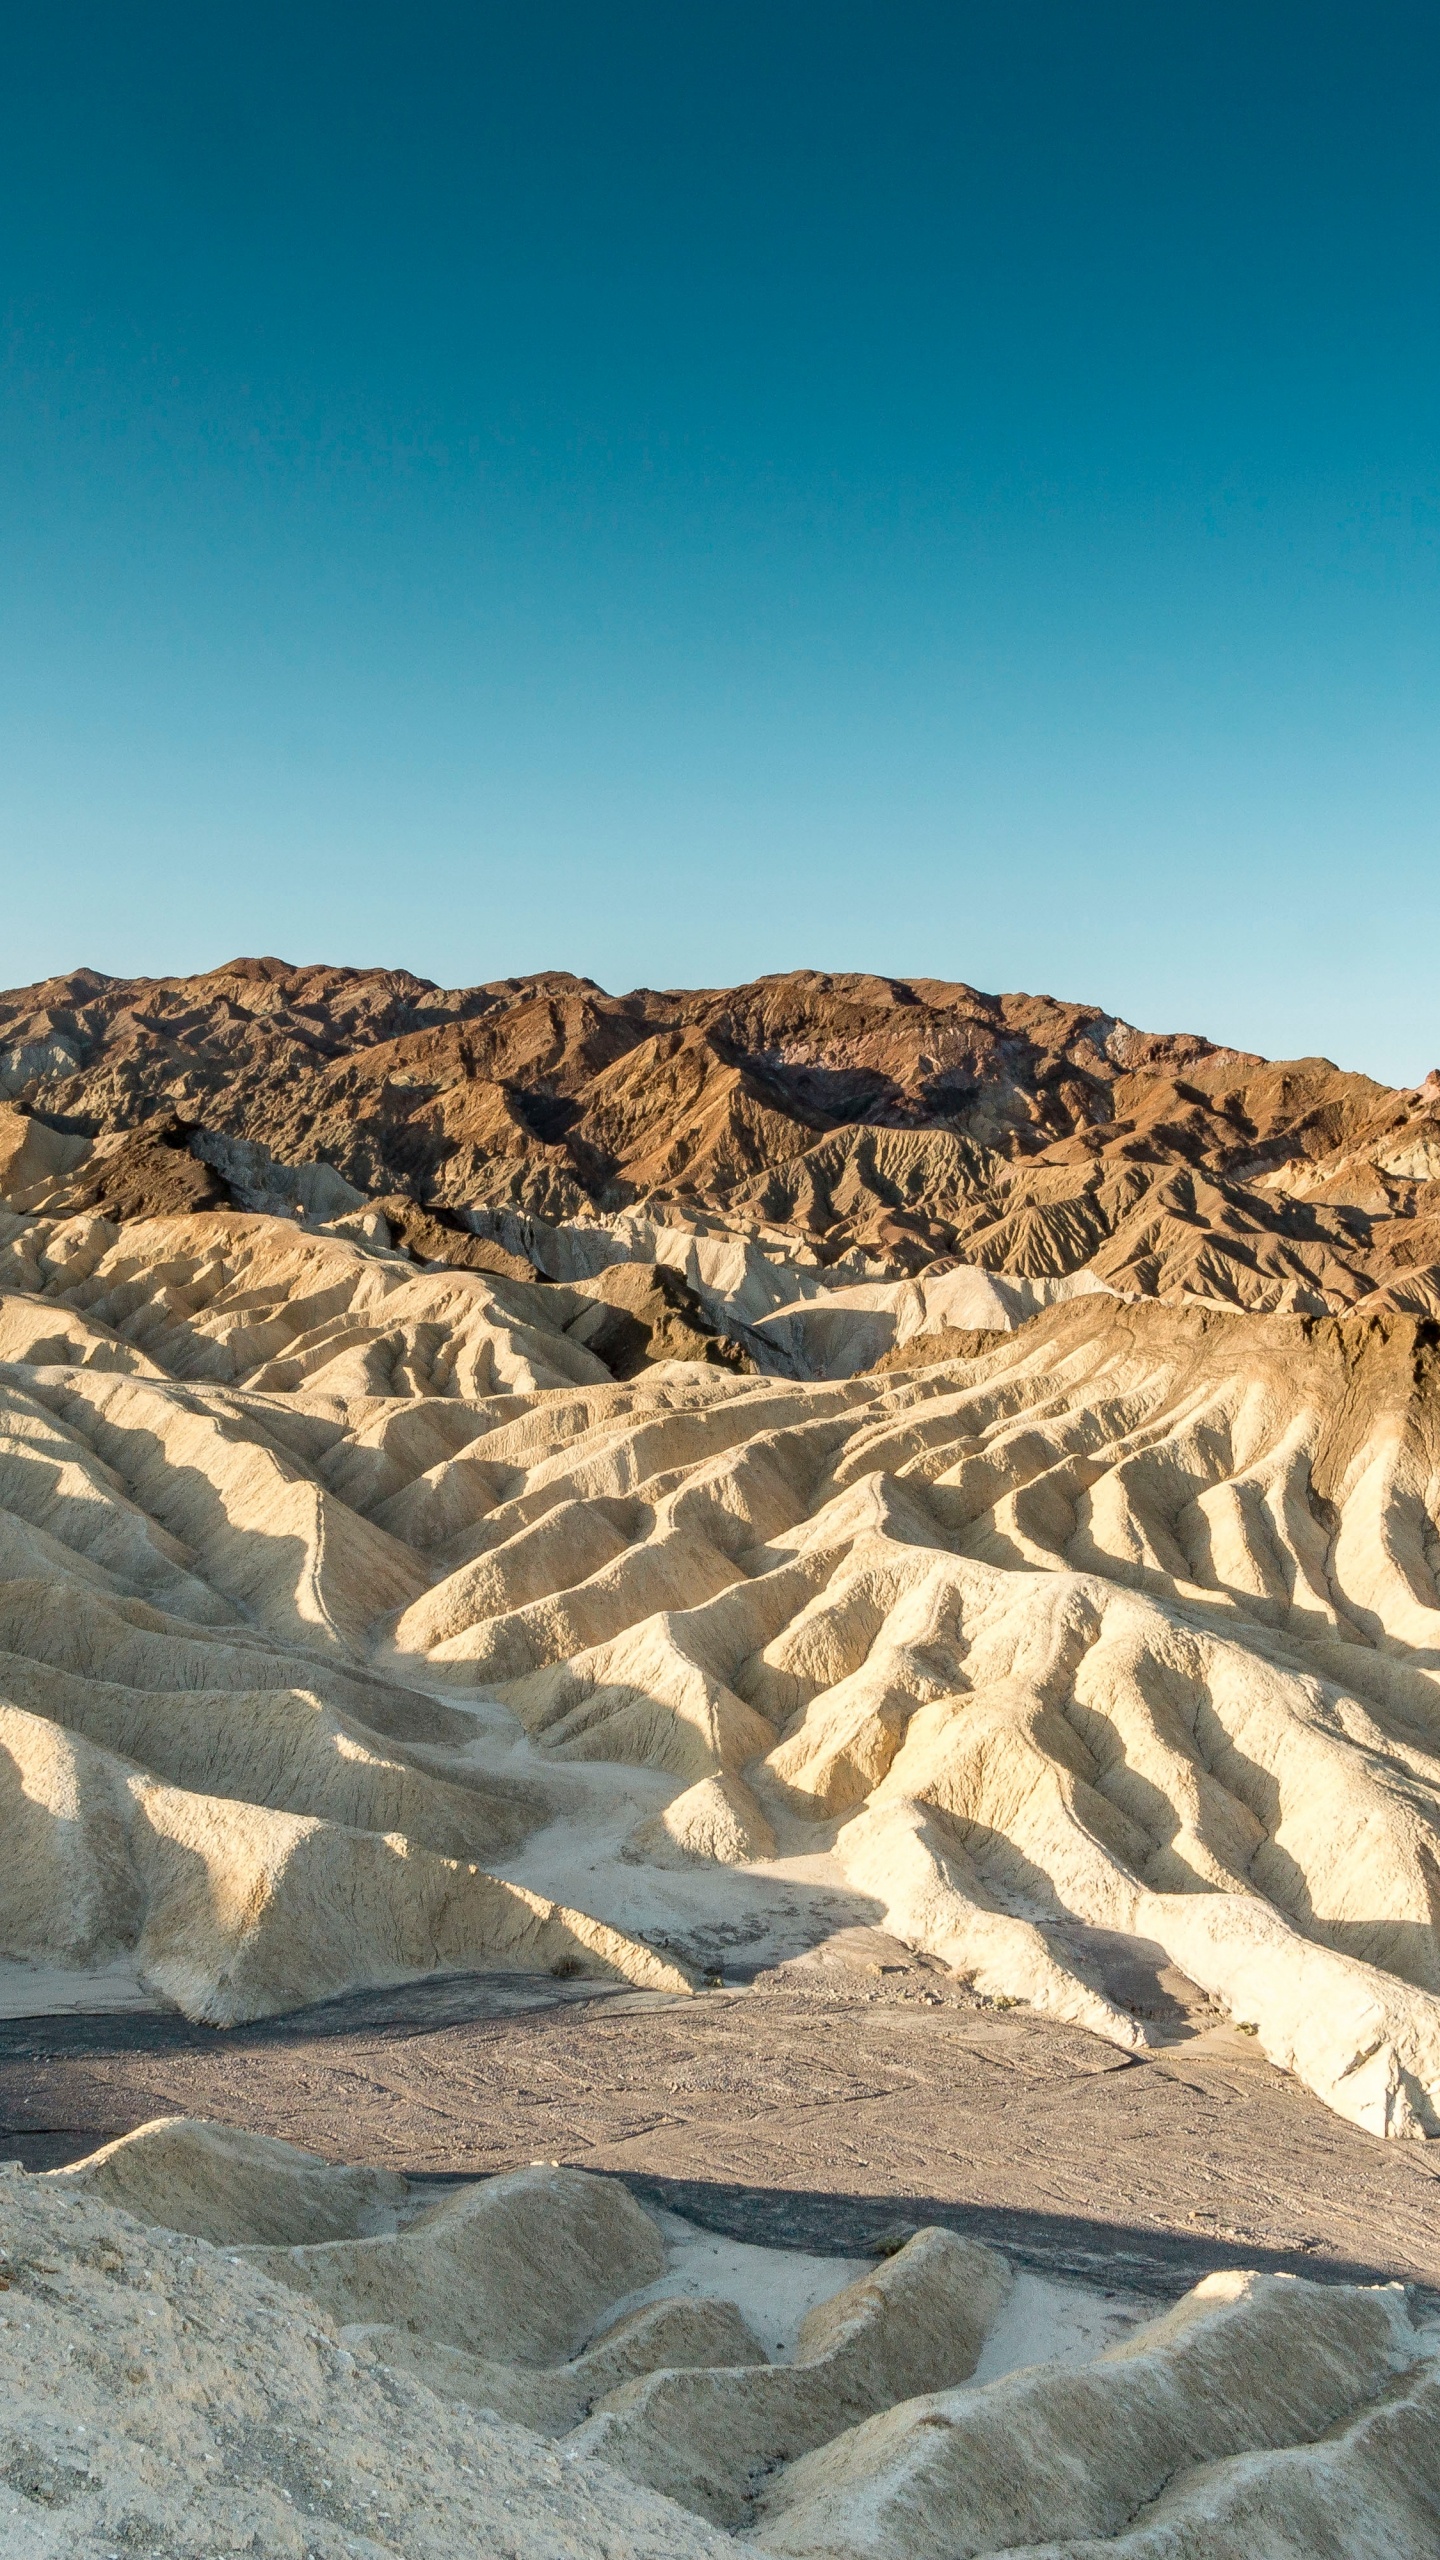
(719, 1772)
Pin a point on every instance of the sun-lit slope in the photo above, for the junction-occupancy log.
(338, 2361)
(195, 1766)
(1127, 1626)
(915, 1120)
(258, 1301)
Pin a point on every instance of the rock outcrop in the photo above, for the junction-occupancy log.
(1124, 1628)
(164, 2395)
(170, 2384)
(914, 1121)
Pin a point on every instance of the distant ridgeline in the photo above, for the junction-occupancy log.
(893, 1127)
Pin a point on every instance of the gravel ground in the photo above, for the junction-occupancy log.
(827, 2106)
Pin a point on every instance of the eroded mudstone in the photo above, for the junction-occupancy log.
(1065, 2462)
(707, 2438)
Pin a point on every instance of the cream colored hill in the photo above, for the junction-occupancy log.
(1262, 2414)
(328, 1587)
(163, 2395)
(214, 2342)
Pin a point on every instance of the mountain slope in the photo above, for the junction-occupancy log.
(919, 1121)
(322, 1577)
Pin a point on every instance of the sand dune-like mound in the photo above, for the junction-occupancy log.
(172, 2382)
(1197, 2434)
(337, 1631)
(229, 2187)
(162, 2395)
(708, 2436)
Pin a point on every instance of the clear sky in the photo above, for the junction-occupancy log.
(675, 489)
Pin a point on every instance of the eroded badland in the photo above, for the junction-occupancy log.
(824, 1595)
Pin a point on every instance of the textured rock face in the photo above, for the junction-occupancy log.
(177, 2389)
(708, 2437)
(228, 2187)
(1124, 1628)
(1184, 2439)
(641, 1313)
(917, 1120)
(518, 2268)
(162, 2396)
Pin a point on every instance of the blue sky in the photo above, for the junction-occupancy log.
(677, 491)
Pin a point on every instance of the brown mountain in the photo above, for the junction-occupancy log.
(921, 1120)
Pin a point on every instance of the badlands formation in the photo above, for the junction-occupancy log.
(215, 2343)
(528, 1481)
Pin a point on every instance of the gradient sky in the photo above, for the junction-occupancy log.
(675, 491)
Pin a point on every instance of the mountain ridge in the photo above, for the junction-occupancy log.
(920, 1121)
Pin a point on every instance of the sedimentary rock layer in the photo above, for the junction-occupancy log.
(1123, 1629)
(175, 2378)
(913, 1120)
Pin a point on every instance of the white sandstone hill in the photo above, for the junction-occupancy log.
(332, 1590)
(215, 2343)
